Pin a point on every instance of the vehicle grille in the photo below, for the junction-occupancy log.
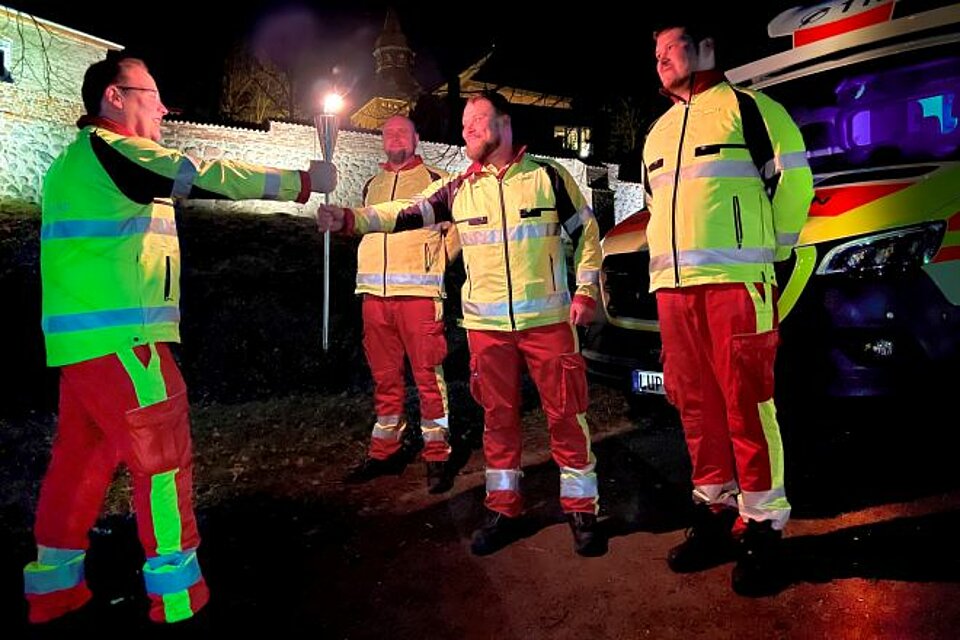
(625, 281)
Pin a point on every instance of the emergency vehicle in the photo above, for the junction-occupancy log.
(870, 299)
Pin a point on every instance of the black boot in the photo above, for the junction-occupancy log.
(709, 542)
(587, 540)
(439, 477)
(759, 570)
(496, 532)
(372, 468)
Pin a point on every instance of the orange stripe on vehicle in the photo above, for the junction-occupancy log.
(833, 201)
(636, 222)
(947, 254)
(858, 21)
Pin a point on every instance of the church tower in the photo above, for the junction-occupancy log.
(394, 90)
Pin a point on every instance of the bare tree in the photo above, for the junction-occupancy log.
(35, 49)
(628, 120)
(255, 90)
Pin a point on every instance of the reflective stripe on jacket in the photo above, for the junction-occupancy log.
(510, 223)
(109, 254)
(728, 188)
(410, 263)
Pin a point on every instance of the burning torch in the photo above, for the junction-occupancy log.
(326, 123)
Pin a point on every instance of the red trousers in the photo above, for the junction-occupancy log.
(719, 347)
(409, 327)
(552, 357)
(126, 408)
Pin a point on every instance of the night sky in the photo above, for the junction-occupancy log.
(331, 42)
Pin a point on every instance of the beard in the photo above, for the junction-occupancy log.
(398, 157)
(481, 154)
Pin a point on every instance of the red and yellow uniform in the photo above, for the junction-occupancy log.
(728, 189)
(110, 265)
(516, 307)
(401, 279)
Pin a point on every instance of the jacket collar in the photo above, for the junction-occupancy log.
(104, 123)
(411, 163)
(475, 169)
(700, 81)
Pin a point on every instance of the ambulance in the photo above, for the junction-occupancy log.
(870, 299)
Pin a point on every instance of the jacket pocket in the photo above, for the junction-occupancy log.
(754, 355)
(737, 222)
(166, 281)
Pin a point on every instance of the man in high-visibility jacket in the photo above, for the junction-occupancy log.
(728, 188)
(110, 265)
(511, 211)
(401, 279)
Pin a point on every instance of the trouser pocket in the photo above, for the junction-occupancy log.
(433, 347)
(754, 355)
(160, 435)
(573, 384)
(476, 386)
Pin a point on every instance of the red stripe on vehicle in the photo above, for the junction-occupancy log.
(953, 222)
(833, 201)
(636, 222)
(858, 21)
(947, 253)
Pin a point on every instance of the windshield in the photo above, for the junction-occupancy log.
(896, 110)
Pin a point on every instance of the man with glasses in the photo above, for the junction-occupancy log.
(110, 266)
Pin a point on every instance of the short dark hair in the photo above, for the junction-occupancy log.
(500, 104)
(696, 29)
(692, 31)
(101, 75)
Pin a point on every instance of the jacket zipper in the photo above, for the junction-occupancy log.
(393, 194)
(553, 276)
(676, 190)
(737, 222)
(506, 256)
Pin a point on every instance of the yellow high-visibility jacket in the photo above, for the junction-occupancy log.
(109, 252)
(510, 223)
(406, 264)
(728, 187)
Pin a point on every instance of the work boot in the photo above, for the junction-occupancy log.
(372, 468)
(709, 542)
(759, 569)
(439, 477)
(587, 540)
(496, 532)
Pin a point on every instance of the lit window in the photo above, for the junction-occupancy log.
(573, 138)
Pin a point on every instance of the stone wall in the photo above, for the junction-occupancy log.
(31, 143)
(38, 111)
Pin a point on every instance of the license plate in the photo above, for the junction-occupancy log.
(648, 382)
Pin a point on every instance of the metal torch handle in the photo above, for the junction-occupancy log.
(326, 283)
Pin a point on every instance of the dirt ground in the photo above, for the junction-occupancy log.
(291, 550)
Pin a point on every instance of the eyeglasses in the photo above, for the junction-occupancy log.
(155, 92)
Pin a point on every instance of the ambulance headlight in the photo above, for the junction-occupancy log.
(891, 252)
